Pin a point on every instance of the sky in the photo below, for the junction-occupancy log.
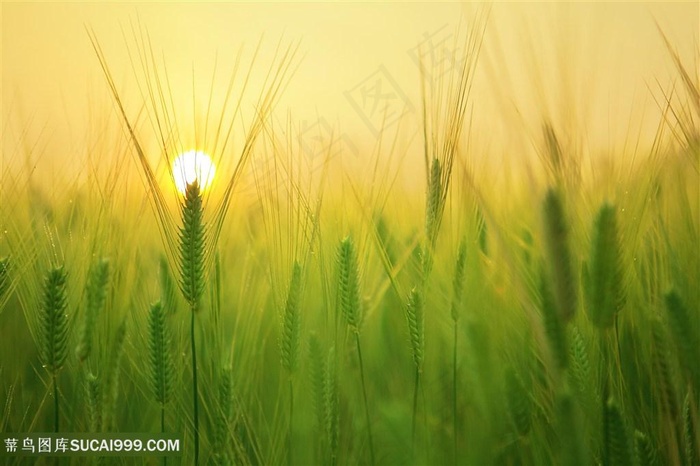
(590, 66)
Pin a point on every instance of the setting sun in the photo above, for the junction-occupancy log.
(190, 166)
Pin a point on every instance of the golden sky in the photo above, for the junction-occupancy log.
(593, 66)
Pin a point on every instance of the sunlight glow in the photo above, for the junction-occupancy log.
(190, 166)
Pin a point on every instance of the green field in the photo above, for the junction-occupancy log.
(338, 320)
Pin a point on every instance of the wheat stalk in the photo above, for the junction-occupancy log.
(223, 417)
(605, 277)
(191, 267)
(349, 299)
(162, 369)
(111, 385)
(617, 451)
(54, 329)
(556, 233)
(96, 294)
(518, 400)
(289, 343)
(687, 341)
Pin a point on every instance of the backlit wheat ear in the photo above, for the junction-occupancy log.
(192, 243)
(54, 329)
(433, 201)
(415, 319)
(556, 237)
(348, 283)
(618, 451)
(289, 341)
(604, 279)
(191, 264)
(162, 369)
(687, 341)
(95, 294)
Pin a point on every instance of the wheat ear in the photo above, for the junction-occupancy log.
(54, 330)
(687, 341)
(191, 264)
(162, 369)
(96, 295)
(617, 451)
(556, 231)
(605, 276)
(349, 298)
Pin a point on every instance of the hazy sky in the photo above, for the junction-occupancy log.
(591, 65)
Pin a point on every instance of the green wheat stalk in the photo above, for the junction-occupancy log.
(690, 432)
(687, 341)
(457, 290)
(415, 319)
(54, 330)
(518, 402)
(316, 378)
(191, 267)
(96, 295)
(556, 235)
(92, 395)
(223, 417)
(433, 205)
(644, 450)
(617, 451)
(349, 299)
(554, 326)
(331, 406)
(162, 368)
(605, 276)
(111, 385)
(291, 324)
(572, 447)
(348, 284)
(289, 343)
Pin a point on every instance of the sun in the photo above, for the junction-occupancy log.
(193, 166)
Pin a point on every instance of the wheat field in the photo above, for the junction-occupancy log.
(426, 303)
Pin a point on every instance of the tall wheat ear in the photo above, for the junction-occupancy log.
(162, 370)
(53, 322)
(349, 300)
(96, 295)
(192, 281)
(559, 258)
(605, 275)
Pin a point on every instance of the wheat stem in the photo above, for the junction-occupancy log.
(364, 395)
(195, 397)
